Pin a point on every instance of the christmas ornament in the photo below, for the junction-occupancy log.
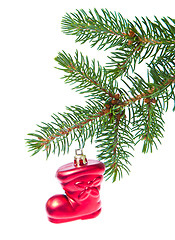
(81, 181)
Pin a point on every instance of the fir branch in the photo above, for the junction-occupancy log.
(139, 47)
(114, 146)
(78, 124)
(107, 29)
(113, 114)
(162, 72)
(147, 93)
(111, 28)
(85, 77)
(157, 32)
(134, 41)
(149, 124)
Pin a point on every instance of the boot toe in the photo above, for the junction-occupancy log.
(58, 206)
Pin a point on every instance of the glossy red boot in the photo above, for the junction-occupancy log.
(81, 181)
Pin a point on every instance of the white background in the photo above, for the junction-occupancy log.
(139, 207)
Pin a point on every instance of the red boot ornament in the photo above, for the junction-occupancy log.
(81, 182)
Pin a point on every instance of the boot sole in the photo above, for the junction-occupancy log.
(85, 217)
